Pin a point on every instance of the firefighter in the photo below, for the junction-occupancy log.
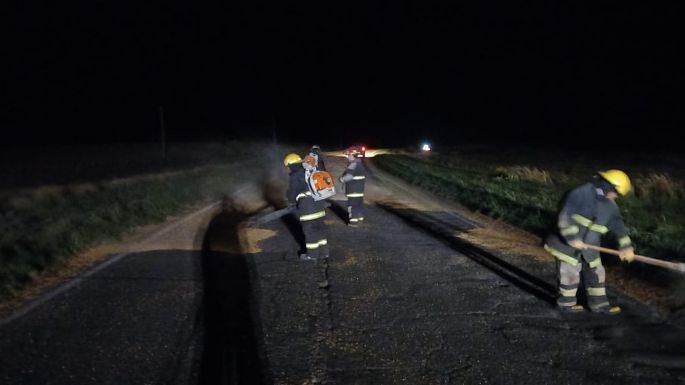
(588, 212)
(353, 178)
(315, 151)
(310, 212)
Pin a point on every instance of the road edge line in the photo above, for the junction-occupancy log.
(50, 294)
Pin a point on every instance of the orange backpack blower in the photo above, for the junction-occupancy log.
(321, 184)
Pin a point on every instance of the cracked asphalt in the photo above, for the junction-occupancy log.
(402, 299)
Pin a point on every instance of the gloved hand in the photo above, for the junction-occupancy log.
(627, 254)
(577, 244)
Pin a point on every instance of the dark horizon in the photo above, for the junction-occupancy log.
(381, 72)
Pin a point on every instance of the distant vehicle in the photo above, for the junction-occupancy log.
(360, 149)
(425, 147)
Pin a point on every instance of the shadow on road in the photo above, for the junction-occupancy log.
(232, 331)
(339, 210)
(273, 194)
(657, 344)
(518, 277)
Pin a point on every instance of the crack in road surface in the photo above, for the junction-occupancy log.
(402, 299)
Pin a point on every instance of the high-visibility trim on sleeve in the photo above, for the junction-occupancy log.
(310, 217)
(561, 256)
(323, 242)
(359, 177)
(570, 230)
(311, 246)
(596, 291)
(624, 241)
(355, 195)
(302, 195)
(581, 220)
(598, 228)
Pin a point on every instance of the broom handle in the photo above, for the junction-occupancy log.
(641, 258)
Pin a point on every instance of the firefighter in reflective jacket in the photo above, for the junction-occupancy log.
(310, 212)
(315, 151)
(589, 212)
(353, 178)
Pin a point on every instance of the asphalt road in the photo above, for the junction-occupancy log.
(400, 300)
(130, 320)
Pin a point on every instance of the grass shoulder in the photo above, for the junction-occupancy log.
(526, 190)
(43, 227)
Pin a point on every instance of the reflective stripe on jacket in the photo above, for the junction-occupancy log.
(354, 178)
(299, 194)
(586, 215)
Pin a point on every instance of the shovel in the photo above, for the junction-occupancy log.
(676, 266)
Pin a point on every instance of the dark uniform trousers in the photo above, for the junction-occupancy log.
(569, 275)
(355, 209)
(354, 190)
(311, 214)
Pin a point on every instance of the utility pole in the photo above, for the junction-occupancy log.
(162, 131)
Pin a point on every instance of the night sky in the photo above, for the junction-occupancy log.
(387, 73)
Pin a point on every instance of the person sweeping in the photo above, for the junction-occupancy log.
(588, 212)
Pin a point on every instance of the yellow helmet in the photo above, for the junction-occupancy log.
(617, 178)
(291, 159)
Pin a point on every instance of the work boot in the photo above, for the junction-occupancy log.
(610, 310)
(571, 309)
